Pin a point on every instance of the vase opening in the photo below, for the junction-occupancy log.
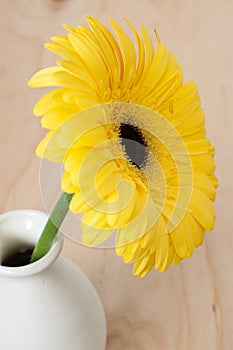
(19, 233)
(19, 257)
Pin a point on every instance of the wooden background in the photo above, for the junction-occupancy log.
(189, 306)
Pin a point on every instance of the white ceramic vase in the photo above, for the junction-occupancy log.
(47, 305)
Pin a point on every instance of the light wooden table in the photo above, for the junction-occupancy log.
(190, 307)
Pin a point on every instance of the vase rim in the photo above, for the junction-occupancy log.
(35, 220)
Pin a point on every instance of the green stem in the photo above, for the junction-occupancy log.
(52, 226)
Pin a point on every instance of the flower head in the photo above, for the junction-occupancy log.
(132, 139)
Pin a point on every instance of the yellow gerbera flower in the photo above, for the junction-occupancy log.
(132, 139)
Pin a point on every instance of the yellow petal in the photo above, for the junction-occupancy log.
(56, 116)
(93, 60)
(164, 77)
(62, 40)
(78, 204)
(186, 237)
(80, 124)
(168, 86)
(202, 209)
(79, 72)
(44, 77)
(67, 184)
(63, 78)
(201, 146)
(205, 184)
(132, 252)
(107, 51)
(80, 98)
(87, 182)
(165, 249)
(120, 212)
(48, 148)
(128, 54)
(112, 42)
(93, 236)
(147, 215)
(148, 47)
(95, 219)
(67, 51)
(107, 179)
(69, 28)
(144, 265)
(176, 260)
(151, 238)
(48, 101)
(184, 112)
(74, 158)
(141, 54)
(129, 250)
(186, 101)
(203, 163)
(95, 137)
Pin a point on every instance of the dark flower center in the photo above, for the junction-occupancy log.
(134, 143)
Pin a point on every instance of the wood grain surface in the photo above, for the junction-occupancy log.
(189, 307)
